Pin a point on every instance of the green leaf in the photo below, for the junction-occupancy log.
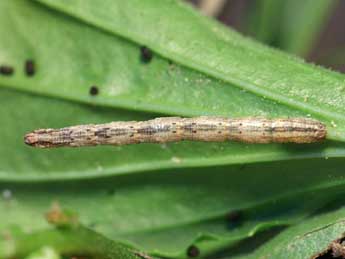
(310, 239)
(69, 78)
(150, 194)
(150, 213)
(148, 209)
(196, 42)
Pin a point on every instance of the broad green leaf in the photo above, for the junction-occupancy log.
(22, 113)
(151, 213)
(145, 208)
(310, 239)
(190, 39)
(148, 209)
(68, 77)
(150, 194)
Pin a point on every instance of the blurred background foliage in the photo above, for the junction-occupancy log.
(312, 29)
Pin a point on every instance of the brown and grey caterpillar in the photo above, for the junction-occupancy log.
(174, 129)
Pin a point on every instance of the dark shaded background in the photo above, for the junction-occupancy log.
(328, 49)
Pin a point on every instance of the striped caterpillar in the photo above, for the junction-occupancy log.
(173, 129)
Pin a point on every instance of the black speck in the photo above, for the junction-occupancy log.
(94, 90)
(131, 136)
(193, 251)
(30, 67)
(234, 216)
(219, 132)
(194, 131)
(6, 70)
(146, 55)
(174, 131)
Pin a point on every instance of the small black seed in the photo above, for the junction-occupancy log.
(193, 251)
(94, 90)
(30, 67)
(6, 70)
(146, 54)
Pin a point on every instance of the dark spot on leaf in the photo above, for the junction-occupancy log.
(234, 217)
(6, 70)
(30, 67)
(335, 250)
(193, 251)
(146, 54)
(94, 90)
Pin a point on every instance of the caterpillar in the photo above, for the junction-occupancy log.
(174, 129)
